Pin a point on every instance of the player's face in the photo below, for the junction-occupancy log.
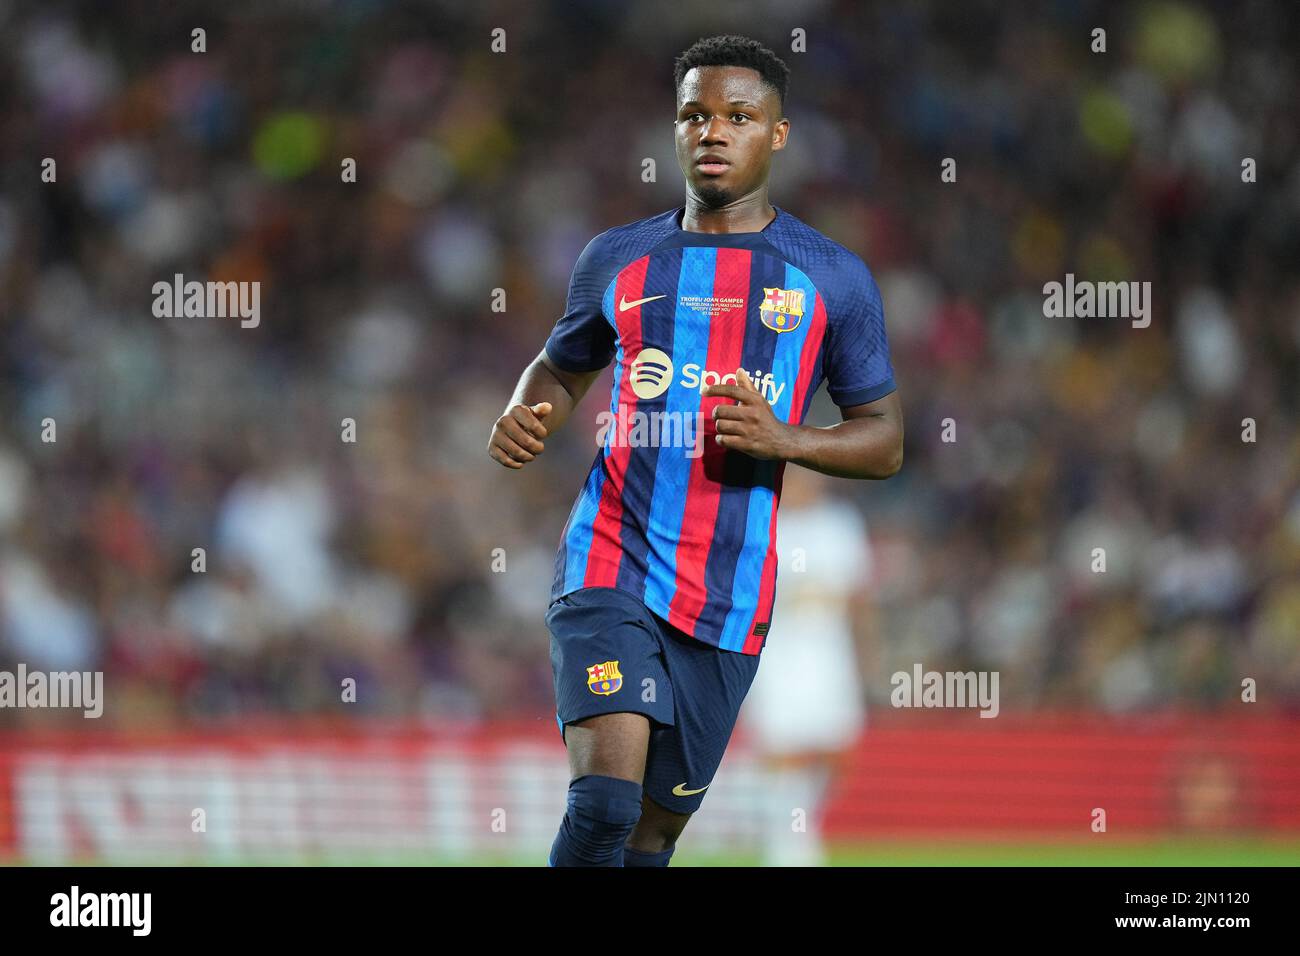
(728, 124)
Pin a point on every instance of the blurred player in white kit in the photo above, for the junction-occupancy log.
(805, 708)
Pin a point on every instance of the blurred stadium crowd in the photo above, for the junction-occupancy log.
(479, 171)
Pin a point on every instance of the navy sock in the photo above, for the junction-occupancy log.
(601, 815)
(633, 857)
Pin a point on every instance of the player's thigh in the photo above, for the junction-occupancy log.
(611, 745)
(604, 651)
(709, 685)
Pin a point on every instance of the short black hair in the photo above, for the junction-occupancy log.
(734, 50)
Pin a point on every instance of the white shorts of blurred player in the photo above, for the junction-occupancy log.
(805, 699)
(807, 695)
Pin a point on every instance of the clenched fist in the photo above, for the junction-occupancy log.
(517, 435)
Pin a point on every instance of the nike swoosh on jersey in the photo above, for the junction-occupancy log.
(624, 305)
(680, 790)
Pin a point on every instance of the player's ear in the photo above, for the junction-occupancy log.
(779, 133)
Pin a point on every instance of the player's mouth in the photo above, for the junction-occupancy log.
(712, 165)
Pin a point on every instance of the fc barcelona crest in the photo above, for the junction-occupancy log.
(781, 309)
(604, 678)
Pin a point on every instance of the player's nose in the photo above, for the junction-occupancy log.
(714, 131)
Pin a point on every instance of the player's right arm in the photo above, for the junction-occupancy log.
(543, 400)
(579, 347)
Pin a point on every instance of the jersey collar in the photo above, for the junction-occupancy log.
(681, 212)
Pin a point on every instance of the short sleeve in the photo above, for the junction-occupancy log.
(858, 369)
(583, 339)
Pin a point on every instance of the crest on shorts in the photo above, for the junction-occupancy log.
(604, 678)
(781, 309)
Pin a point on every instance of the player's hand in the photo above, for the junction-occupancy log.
(750, 426)
(517, 435)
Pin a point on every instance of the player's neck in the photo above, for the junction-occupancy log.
(749, 214)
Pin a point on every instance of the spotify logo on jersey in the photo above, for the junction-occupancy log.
(652, 373)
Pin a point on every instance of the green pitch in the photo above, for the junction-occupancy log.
(1099, 851)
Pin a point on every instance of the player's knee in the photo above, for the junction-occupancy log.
(650, 840)
(658, 829)
(602, 812)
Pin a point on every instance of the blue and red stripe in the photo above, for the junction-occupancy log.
(594, 550)
(674, 470)
(703, 492)
(654, 329)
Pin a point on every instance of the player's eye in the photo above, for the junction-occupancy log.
(741, 117)
(690, 117)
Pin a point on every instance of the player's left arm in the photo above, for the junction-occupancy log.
(868, 443)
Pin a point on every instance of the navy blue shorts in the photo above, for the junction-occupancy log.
(612, 654)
